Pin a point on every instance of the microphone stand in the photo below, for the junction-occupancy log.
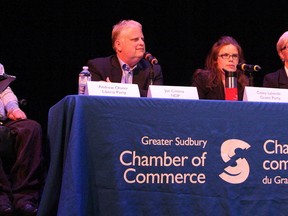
(151, 75)
(152, 60)
(251, 79)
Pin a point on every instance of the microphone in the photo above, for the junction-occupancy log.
(150, 58)
(22, 102)
(248, 67)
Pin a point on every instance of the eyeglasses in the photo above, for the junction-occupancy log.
(227, 56)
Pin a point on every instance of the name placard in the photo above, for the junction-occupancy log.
(261, 94)
(101, 88)
(175, 92)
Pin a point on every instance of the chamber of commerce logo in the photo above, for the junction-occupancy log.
(240, 172)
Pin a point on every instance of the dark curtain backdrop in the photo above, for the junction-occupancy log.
(46, 43)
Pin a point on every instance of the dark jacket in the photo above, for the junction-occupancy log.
(276, 79)
(101, 68)
(216, 92)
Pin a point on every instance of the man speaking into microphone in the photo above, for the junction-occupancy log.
(131, 63)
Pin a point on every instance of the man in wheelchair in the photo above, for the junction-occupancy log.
(21, 176)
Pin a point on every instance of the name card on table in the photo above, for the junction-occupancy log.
(261, 94)
(100, 88)
(175, 92)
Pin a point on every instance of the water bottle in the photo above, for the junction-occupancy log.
(84, 76)
(231, 90)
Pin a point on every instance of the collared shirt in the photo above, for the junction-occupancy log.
(286, 69)
(127, 76)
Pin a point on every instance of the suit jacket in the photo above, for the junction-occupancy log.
(101, 68)
(277, 79)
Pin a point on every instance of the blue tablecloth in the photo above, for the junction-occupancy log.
(143, 156)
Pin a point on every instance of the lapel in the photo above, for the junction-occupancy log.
(283, 79)
(116, 72)
(140, 74)
(221, 92)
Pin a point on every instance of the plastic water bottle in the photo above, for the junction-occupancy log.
(84, 76)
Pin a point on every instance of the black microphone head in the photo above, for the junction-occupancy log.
(148, 56)
(154, 61)
(257, 68)
(23, 102)
(238, 66)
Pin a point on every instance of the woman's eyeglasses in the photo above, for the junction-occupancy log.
(227, 56)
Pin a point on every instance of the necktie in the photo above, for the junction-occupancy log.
(127, 76)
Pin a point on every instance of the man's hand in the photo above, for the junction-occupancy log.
(16, 114)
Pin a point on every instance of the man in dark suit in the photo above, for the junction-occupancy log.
(279, 78)
(128, 64)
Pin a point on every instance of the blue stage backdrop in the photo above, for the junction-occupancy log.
(141, 156)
